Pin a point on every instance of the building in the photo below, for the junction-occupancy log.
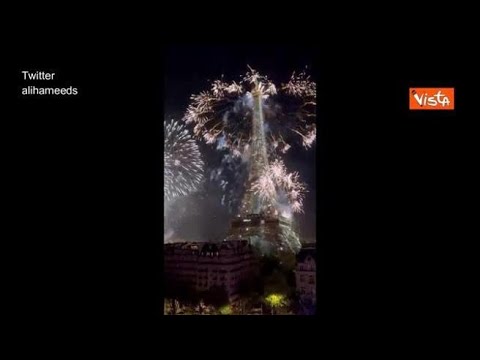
(306, 275)
(202, 266)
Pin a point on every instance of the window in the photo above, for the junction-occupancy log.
(311, 280)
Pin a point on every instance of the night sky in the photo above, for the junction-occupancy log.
(201, 216)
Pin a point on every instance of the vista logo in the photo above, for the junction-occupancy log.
(432, 99)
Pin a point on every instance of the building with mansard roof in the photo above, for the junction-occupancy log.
(202, 266)
(306, 275)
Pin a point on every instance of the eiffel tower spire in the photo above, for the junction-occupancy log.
(251, 202)
(258, 219)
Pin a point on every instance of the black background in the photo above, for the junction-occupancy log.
(86, 181)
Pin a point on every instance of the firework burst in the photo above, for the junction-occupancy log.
(228, 114)
(222, 114)
(274, 180)
(183, 165)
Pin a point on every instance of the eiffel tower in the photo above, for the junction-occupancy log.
(258, 220)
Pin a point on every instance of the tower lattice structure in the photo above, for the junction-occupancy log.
(258, 220)
(251, 202)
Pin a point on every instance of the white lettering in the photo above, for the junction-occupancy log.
(432, 101)
(419, 99)
(37, 75)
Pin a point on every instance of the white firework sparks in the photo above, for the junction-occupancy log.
(301, 85)
(183, 165)
(276, 178)
(222, 116)
(223, 112)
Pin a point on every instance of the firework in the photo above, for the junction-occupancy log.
(223, 114)
(183, 166)
(258, 121)
(274, 180)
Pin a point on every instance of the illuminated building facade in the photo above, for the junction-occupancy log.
(306, 277)
(202, 266)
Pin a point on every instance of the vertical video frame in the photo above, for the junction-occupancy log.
(239, 183)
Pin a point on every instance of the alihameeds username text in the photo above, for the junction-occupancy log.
(42, 75)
